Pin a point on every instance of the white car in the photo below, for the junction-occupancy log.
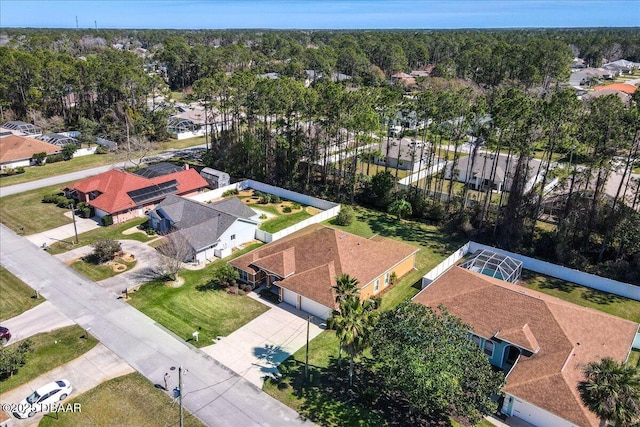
(44, 399)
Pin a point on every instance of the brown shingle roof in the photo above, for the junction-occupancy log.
(15, 147)
(310, 259)
(568, 336)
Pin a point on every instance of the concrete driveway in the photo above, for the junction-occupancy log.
(44, 317)
(64, 232)
(147, 260)
(255, 350)
(87, 371)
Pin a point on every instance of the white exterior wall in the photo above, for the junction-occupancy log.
(534, 415)
(290, 297)
(190, 134)
(444, 265)
(244, 232)
(15, 164)
(85, 151)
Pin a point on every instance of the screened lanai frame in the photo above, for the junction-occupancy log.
(493, 264)
(24, 127)
(180, 125)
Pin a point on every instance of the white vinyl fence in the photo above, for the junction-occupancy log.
(329, 209)
(570, 275)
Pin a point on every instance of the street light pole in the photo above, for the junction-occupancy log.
(180, 395)
(75, 228)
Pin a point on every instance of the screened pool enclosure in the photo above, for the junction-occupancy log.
(495, 265)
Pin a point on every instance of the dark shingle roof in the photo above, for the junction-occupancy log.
(202, 224)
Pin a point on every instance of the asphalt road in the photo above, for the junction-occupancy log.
(212, 392)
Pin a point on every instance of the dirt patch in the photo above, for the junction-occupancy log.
(295, 207)
(175, 283)
(134, 230)
(116, 266)
(313, 211)
(128, 257)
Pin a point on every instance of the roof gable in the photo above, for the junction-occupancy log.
(15, 147)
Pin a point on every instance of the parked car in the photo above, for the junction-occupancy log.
(43, 399)
(5, 335)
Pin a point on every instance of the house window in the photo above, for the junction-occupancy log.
(244, 277)
(488, 348)
(476, 339)
(233, 237)
(376, 285)
(386, 278)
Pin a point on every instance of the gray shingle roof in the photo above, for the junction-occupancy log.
(202, 224)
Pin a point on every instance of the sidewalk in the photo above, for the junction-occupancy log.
(64, 232)
(86, 372)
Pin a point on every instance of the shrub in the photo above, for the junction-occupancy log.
(296, 206)
(286, 209)
(55, 158)
(230, 193)
(84, 210)
(102, 149)
(265, 199)
(105, 250)
(345, 216)
(68, 151)
(263, 216)
(275, 199)
(19, 170)
(257, 193)
(39, 158)
(51, 198)
(106, 220)
(63, 202)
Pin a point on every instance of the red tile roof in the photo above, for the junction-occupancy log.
(310, 259)
(568, 336)
(15, 147)
(623, 87)
(114, 185)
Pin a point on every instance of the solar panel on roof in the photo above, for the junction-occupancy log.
(153, 192)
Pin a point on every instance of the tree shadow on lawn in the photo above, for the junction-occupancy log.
(592, 295)
(602, 298)
(329, 400)
(409, 231)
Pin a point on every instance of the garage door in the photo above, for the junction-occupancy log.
(315, 309)
(290, 297)
(536, 416)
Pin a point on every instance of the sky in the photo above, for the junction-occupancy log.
(319, 14)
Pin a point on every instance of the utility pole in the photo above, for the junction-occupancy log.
(180, 395)
(306, 359)
(75, 228)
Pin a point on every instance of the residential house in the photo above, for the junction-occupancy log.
(491, 171)
(403, 78)
(212, 230)
(540, 342)
(125, 195)
(17, 151)
(303, 266)
(404, 154)
(622, 87)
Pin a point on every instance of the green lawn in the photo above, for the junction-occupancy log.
(27, 210)
(99, 272)
(581, 295)
(284, 220)
(434, 246)
(186, 309)
(130, 400)
(51, 349)
(59, 168)
(634, 358)
(114, 232)
(17, 297)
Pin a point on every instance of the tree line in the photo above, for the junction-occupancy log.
(498, 92)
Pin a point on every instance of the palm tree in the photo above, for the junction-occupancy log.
(345, 287)
(612, 391)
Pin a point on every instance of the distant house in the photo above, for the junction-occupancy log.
(17, 151)
(303, 266)
(541, 343)
(403, 78)
(212, 230)
(479, 172)
(622, 87)
(125, 195)
(404, 154)
(215, 178)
